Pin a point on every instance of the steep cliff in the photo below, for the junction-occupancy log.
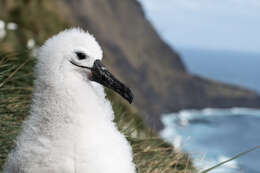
(155, 72)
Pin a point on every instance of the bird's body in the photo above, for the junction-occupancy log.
(70, 128)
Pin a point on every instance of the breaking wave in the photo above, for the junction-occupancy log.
(214, 135)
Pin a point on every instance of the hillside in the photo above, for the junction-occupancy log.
(157, 75)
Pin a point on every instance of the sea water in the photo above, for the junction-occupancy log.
(215, 135)
(238, 68)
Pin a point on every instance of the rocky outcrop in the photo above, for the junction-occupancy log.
(135, 52)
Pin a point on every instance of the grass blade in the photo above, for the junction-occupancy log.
(13, 73)
(233, 158)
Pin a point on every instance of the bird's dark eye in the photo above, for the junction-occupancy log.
(81, 55)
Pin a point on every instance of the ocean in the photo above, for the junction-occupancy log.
(239, 68)
(215, 135)
(211, 135)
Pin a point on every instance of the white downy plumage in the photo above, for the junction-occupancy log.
(70, 128)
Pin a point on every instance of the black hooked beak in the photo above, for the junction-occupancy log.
(100, 74)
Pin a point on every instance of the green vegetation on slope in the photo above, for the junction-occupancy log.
(39, 19)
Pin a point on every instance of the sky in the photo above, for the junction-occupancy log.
(207, 24)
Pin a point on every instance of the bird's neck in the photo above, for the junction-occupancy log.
(73, 104)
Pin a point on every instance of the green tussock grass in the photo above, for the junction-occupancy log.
(39, 19)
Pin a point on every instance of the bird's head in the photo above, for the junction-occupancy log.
(75, 54)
